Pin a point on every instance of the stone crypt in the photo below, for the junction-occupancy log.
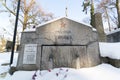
(62, 42)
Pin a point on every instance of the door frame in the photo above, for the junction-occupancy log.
(54, 45)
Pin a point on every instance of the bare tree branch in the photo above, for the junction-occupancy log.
(30, 12)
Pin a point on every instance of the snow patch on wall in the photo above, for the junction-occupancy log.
(111, 50)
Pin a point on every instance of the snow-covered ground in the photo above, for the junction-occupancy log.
(4, 60)
(100, 72)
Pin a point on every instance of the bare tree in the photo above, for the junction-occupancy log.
(30, 13)
(2, 44)
(105, 7)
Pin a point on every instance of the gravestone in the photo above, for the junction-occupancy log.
(9, 46)
(61, 42)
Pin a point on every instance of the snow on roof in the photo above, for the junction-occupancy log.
(34, 29)
(82, 23)
(50, 21)
(111, 50)
(79, 22)
(66, 18)
(114, 31)
(29, 29)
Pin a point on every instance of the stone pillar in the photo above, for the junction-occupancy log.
(99, 26)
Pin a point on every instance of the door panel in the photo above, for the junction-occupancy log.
(63, 56)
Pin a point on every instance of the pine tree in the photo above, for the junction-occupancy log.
(86, 4)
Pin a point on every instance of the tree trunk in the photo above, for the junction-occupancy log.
(118, 11)
(25, 16)
(92, 13)
(25, 21)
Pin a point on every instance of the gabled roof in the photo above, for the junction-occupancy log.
(61, 18)
(29, 30)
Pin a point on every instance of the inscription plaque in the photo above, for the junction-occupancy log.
(30, 51)
(64, 37)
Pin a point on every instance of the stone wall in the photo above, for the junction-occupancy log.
(113, 62)
(113, 37)
(26, 38)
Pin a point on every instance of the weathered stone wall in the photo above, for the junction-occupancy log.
(113, 37)
(113, 62)
(62, 43)
(26, 38)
